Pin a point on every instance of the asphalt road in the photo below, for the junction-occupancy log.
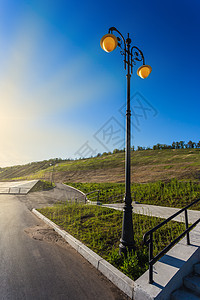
(36, 263)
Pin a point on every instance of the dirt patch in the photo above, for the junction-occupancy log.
(191, 154)
(45, 233)
(139, 173)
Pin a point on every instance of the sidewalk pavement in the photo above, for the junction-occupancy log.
(158, 211)
(17, 187)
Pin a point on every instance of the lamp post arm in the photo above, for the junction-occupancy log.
(135, 56)
(124, 51)
(111, 29)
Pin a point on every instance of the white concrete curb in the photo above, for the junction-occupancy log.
(87, 200)
(77, 191)
(123, 282)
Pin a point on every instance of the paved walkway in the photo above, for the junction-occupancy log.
(158, 211)
(17, 187)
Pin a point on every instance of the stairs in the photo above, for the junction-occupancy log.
(191, 286)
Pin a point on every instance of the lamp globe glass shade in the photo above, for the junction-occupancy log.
(109, 42)
(144, 71)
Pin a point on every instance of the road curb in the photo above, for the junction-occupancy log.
(86, 199)
(75, 189)
(123, 282)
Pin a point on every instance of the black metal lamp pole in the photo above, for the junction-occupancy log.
(52, 179)
(127, 238)
(130, 58)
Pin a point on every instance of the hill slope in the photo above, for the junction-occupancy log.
(147, 166)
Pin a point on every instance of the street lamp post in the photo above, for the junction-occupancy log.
(52, 164)
(131, 55)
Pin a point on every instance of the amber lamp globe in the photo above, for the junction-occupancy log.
(109, 42)
(144, 71)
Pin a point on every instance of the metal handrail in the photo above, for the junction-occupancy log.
(93, 192)
(97, 196)
(110, 198)
(149, 241)
(121, 196)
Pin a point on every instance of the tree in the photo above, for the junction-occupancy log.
(165, 146)
(104, 153)
(198, 144)
(139, 148)
(191, 144)
(173, 145)
(182, 144)
(116, 151)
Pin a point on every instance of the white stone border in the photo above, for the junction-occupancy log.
(75, 189)
(86, 199)
(123, 282)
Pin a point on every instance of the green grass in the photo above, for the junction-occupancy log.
(173, 193)
(100, 229)
(168, 167)
(42, 185)
(108, 191)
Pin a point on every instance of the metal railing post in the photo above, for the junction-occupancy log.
(186, 227)
(150, 258)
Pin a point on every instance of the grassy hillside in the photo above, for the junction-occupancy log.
(147, 166)
(23, 170)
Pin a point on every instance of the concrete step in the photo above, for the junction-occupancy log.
(197, 268)
(192, 282)
(183, 294)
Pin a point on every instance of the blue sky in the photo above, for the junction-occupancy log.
(63, 96)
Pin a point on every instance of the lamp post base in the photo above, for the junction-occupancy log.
(124, 249)
(127, 240)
